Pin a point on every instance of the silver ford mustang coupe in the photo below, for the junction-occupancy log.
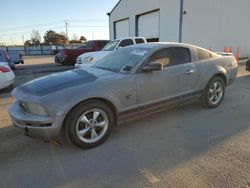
(85, 104)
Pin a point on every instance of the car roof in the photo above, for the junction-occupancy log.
(122, 38)
(159, 45)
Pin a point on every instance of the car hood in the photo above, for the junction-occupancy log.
(61, 81)
(95, 56)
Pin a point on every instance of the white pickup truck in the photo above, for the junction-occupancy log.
(113, 45)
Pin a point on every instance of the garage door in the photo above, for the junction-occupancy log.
(149, 25)
(122, 28)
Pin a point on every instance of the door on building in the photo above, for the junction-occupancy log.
(121, 29)
(148, 26)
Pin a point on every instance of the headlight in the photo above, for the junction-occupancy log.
(33, 108)
(88, 59)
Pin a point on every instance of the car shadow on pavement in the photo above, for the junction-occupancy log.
(161, 141)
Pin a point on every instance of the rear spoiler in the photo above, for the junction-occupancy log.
(224, 53)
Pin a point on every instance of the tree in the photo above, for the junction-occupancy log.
(61, 39)
(28, 43)
(83, 39)
(35, 38)
(63, 33)
(51, 37)
(75, 41)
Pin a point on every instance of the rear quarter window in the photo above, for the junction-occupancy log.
(203, 55)
(139, 41)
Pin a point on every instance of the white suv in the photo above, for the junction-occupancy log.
(93, 57)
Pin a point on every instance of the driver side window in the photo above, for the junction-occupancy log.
(163, 56)
(172, 56)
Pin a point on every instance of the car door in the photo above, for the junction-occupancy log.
(175, 80)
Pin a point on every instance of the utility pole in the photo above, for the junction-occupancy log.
(181, 20)
(23, 39)
(66, 27)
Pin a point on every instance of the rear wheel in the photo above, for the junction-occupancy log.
(89, 124)
(214, 93)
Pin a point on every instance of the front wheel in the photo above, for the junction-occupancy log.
(89, 124)
(214, 93)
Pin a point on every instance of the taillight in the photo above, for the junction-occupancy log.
(4, 69)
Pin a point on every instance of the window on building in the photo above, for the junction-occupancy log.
(126, 42)
(202, 54)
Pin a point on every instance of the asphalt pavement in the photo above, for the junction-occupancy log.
(189, 146)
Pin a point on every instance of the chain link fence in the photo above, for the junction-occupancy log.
(34, 50)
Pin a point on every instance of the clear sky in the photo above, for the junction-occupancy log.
(85, 17)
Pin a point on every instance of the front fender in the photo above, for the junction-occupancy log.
(121, 92)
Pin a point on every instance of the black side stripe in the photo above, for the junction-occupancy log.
(167, 102)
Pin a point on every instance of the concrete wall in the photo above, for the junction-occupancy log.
(218, 23)
(208, 23)
(169, 16)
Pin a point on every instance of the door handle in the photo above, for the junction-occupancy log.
(190, 71)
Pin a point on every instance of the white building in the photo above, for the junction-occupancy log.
(211, 24)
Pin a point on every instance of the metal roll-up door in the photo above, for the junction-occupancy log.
(149, 25)
(122, 28)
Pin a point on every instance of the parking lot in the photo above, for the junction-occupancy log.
(186, 147)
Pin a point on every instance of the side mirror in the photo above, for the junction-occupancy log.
(152, 66)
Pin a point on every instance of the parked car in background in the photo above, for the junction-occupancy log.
(68, 56)
(248, 65)
(7, 76)
(4, 57)
(16, 57)
(92, 57)
(130, 82)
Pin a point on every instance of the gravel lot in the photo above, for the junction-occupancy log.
(185, 147)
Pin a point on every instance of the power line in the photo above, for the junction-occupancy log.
(11, 34)
(89, 26)
(28, 26)
(48, 23)
(88, 20)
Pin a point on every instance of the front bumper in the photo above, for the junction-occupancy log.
(35, 125)
(58, 60)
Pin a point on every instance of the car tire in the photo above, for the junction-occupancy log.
(89, 124)
(214, 93)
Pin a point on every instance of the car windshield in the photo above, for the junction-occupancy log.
(111, 45)
(124, 59)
